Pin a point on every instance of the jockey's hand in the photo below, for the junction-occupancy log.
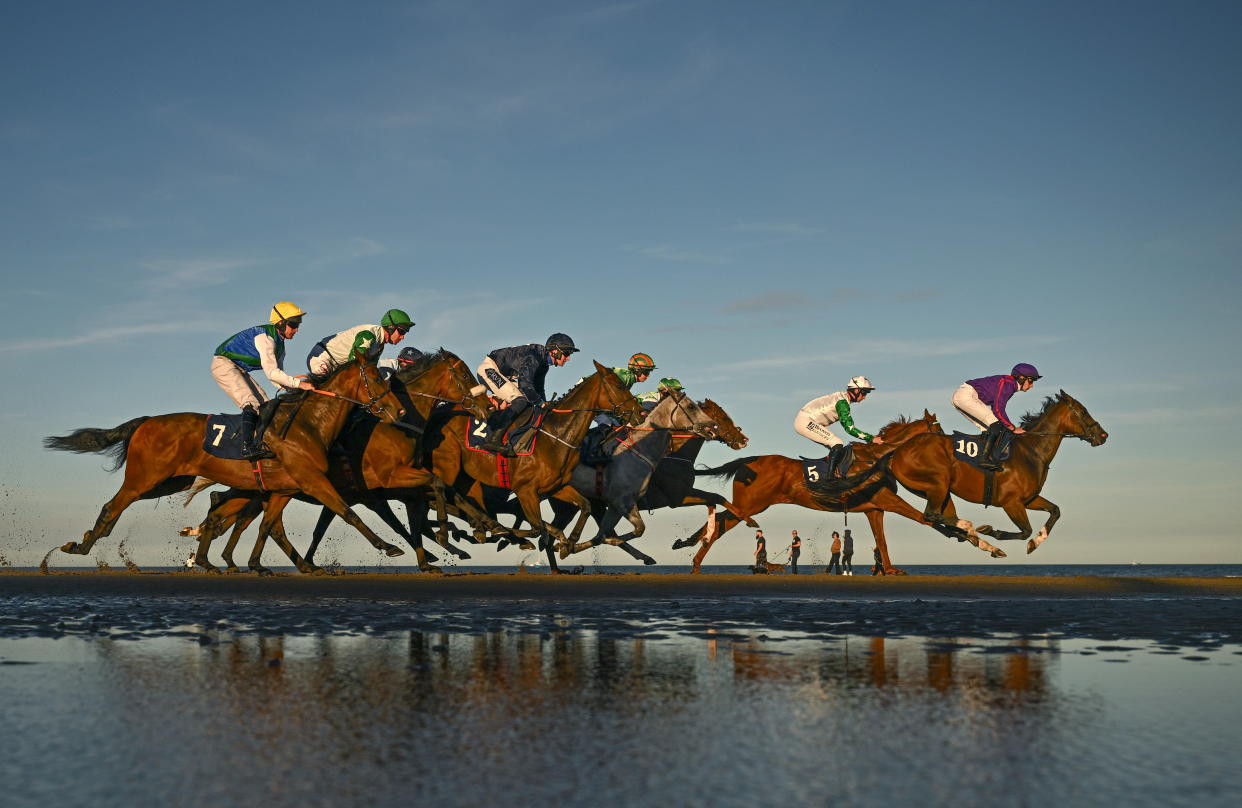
(305, 385)
(878, 441)
(1017, 430)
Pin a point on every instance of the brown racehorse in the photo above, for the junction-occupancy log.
(767, 480)
(926, 466)
(377, 462)
(163, 454)
(555, 456)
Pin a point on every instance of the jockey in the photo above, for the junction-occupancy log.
(983, 401)
(408, 356)
(359, 342)
(666, 386)
(259, 347)
(813, 419)
(515, 376)
(638, 369)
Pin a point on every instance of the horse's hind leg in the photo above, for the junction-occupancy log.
(131, 491)
(249, 511)
(271, 511)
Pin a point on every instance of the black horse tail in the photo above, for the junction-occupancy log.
(113, 441)
(729, 470)
(832, 492)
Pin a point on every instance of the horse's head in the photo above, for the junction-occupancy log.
(678, 411)
(727, 432)
(1072, 418)
(903, 429)
(360, 380)
(614, 395)
(465, 388)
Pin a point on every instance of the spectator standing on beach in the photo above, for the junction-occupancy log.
(878, 567)
(847, 553)
(835, 561)
(761, 552)
(795, 550)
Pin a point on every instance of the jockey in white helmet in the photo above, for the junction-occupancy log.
(813, 419)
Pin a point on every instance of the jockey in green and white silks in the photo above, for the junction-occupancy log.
(667, 385)
(813, 420)
(260, 347)
(359, 342)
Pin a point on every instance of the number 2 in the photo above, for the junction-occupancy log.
(481, 430)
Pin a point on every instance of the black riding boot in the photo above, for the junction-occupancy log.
(250, 448)
(498, 422)
(991, 442)
(834, 459)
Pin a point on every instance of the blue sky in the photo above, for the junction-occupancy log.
(768, 198)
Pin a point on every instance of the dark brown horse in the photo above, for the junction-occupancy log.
(926, 466)
(767, 480)
(163, 454)
(548, 469)
(371, 462)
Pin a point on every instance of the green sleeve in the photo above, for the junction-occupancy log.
(847, 422)
(362, 344)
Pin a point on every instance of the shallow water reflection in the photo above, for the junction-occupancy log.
(738, 718)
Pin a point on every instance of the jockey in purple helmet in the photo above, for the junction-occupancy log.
(983, 401)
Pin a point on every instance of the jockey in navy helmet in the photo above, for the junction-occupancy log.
(515, 379)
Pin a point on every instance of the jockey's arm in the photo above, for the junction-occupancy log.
(847, 422)
(271, 366)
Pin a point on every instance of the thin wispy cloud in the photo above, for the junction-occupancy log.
(769, 301)
(778, 228)
(664, 252)
(104, 336)
(176, 273)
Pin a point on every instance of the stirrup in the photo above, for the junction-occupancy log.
(257, 452)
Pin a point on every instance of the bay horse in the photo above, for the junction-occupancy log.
(371, 463)
(766, 480)
(163, 454)
(548, 468)
(925, 465)
(614, 489)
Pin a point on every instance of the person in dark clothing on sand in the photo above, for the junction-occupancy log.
(761, 552)
(847, 553)
(795, 550)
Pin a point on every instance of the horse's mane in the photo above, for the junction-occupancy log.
(318, 379)
(1030, 420)
(898, 421)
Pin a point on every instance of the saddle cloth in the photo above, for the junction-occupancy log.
(222, 438)
(815, 469)
(969, 448)
(477, 432)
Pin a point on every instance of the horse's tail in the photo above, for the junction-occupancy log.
(199, 485)
(834, 492)
(113, 441)
(729, 470)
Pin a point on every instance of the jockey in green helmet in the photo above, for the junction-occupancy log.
(359, 342)
(637, 370)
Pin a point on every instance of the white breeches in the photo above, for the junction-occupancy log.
(967, 402)
(807, 428)
(507, 392)
(236, 384)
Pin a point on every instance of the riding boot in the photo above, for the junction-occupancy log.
(991, 439)
(249, 449)
(498, 422)
(834, 459)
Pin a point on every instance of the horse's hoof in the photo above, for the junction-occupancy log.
(1031, 546)
(751, 522)
(212, 570)
(986, 530)
(648, 561)
(310, 569)
(233, 569)
(70, 547)
(432, 570)
(263, 572)
(681, 544)
(999, 553)
(392, 551)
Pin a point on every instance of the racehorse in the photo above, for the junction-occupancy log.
(163, 454)
(555, 455)
(767, 480)
(371, 462)
(613, 490)
(926, 466)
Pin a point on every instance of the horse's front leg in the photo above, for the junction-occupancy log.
(529, 499)
(1054, 513)
(271, 511)
(1016, 512)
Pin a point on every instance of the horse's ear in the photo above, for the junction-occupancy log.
(1061, 394)
(926, 414)
(598, 367)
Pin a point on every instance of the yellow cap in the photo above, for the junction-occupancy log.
(284, 310)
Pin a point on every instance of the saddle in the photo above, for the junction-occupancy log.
(594, 451)
(816, 469)
(478, 432)
(969, 448)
